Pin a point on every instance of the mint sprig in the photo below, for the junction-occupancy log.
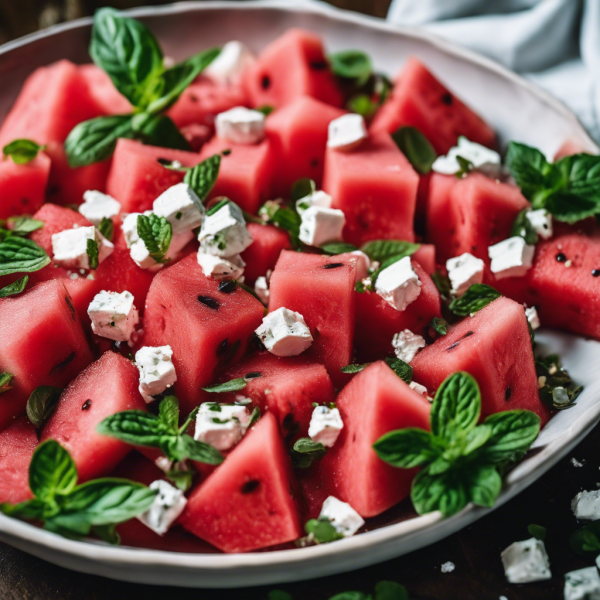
(5, 379)
(22, 151)
(12, 289)
(353, 65)
(203, 176)
(460, 461)
(156, 233)
(21, 255)
(416, 147)
(478, 296)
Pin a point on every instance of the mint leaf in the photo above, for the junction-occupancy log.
(265, 109)
(382, 250)
(466, 166)
(351, 64)
(322, 531)
(5, 379)
(92, 252)
(158, 130)
(22, 151)
(528, 167)
(168, 413)
(570, 208)
(305, 451)
(513, 432)
(334, 248)
(446, 493)
(182, 479)
(41, 404)
(217, 207)
(302, 188)
(156, 233)
(278, 595)
(483, 484)
(439, 325)
(52, 471)
(416, 147)
(355, 368)
(203, 176)
(234, 385)
(135, 427)
(390, 590)
(362, 104)
(107, 228)
(522, 227)
(24, 225)
(14, 288)
(21, 255)
(537, 531)
(406, 448)
(402, 369)
(478, 296)
(586, 541)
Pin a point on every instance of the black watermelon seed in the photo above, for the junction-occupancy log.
(250, 486)
(63, 364)
(86, 405)
(210, 302)
(507, 394)
(227, 286)
(452, 346)
(596, 273)
(253, 375)
(288, 422)
(226, 152)
(447, 99)
(560, 257)
(265, 82)
(314, 163)
(222, 347)
(320, 65)
(333, 265)
(163, 161)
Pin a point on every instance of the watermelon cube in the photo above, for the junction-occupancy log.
(103, 91)
(375, 402)
(376, 187)
(17, 444)
(291, 66)
(249, 501)
(245, 173)
(494, 346)
(106, 387)
(264, 251)
(425, 256)
(421, 101)
(377, 321)
(136, 178)
(298, 133)
(321, 289)
(206, 328)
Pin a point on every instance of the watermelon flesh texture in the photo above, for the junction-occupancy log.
(103, 91)
(136, 178)
(298, 133)
(421, 101)
(287, 388)
(262, 254)
(245, 172)
(375, 402)
(377, 321)
(376, 188)
(325, 298)
(249, 501)
(17, 444)
(425, 256)
(106, 387)
(494, 346)
(23, 187)
(291, 66)
(204, 339)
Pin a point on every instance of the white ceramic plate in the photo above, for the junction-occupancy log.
(517, 109)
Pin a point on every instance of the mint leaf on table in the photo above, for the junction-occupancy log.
(203, 176)
(555, 386)
(416, 147)
(586, 540)
(478, 296)
(12, 289)
(5, 379)
(22, 151)
(41, 404)
(305, 451)
(156, 233)
(21, 255)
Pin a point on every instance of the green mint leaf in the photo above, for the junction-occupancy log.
(41, 404)
(22, 151)
(442, 283)
(107, 533)
(483, 484)
(302, 188)
(478, 296)
(13, 289)
(52, 471)
(254, 417)
(360, 287)
(21, 255)
(203, 176)
(537, 531)
(586, 541)
(158, 130)
(351, 64)
(168, 413)
(382, 250)
(24, 225)
(416, 147)
(402, 369)
(513, 432)
(234, 385)
(570, 208)
(466, 166)
(284, 217)
(390, 590)
(29, 510)
(107, 228)
(278, 595)
(181, 479)
(529, 168)
(583, 172)
(439, 325)
(5, 379)
(352, 595)
(135, 427)
(92, 252)
(334, 248)
(362, 104)
(265, 110)
(156, 233)
(322, 531)
(446, 492)
(406, 448)
(355, 368)
(305, 452)
(190, 418)
(200, 451)
(476, 438)
(522, 227)
(218, 206)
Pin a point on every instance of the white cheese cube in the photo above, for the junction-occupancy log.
(325, 425)
(464, 271)
(284, 333)
(129, 227)
(241, 125)
(398, 284)
(583, 584)
(157, 372)
(342, 516)
(261, 287)
(586, 505)
(181, 207)
(321, 225)
(448, 567)
(346, 132)
(231, 62)
(141, 255)
(511, 258)
(113, 315)
(98, 206)
(533, 317)
(221, 425)
(318, 198)
(478, 155)
(541, 221)
(70, 247)
(166, 508)
(526, 561)
(218, 267)
(224, 233)
(406, 344)
(163, 463)
(363, 264)
(420, 389)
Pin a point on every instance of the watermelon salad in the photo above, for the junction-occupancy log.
(254, 301)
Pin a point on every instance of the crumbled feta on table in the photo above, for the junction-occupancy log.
(526, 561)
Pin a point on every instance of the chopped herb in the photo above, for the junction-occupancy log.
(14, 288)
(439, 325)
(233, 385)
(321, 531)
(217, 207)
(586, 541)
(22, 151)
(302, 188)
(402, 369)
(537, 531)
(334, 248)
(254, 417)
(107, 228)
(363, 105)
(382, 250)
(466, 166)
(5, 379)
(41, 404)
(92, 252)
(416, 147)
(356, 368)
(21, 255)
(156, 233)
(203, 176)
(24, 225)
(522, 227)
(265, 110)
(305, 451)
(442, 283)
(478, 296)
(351, 64)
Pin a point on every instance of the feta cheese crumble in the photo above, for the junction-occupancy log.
(98, 206)
(221, 425)
(363, 264)
(583, 584)
(181, 207)
(261, 287)
(141, 255)
(69, 247)
(526, 561)
(341, 515)
(241, 125)
(230, 63)
(448, 567)
(284, 333)
(479, 156)
(318, 198)
(346, 132)
(398, 284)
(541, 221)
(166, 508)
(325, 425)
(129, 227)
(586, 505)
(218, 267)
(463, 272)
(157, 372)
(512, 257)
(321, 225)
(421, 390)
(113, 315)
(406, 345)
(224, 233)
(533, 317)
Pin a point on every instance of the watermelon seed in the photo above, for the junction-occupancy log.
(226, 152)
(560, 257)
(447, 99)
(210, 302)
(250, 486)
(253, 375)
(63, 364)
(265, 82)
(227, 286)
(596, 273)
(314, 163)
(86, 405)
(163, 161)
(452, 346)
(320, 65)
(222, 347)
(333, 265)
(507, 394)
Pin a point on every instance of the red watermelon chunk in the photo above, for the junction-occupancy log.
(136, 178)
(291, 66)
(287, 388)
(103, 91)
(377, 321)
(23, 187)
(106, 387)
(494, 346)
(17, 444)
(264, 251)
(421, 101)
(470, 214)
(325, 297)
(298, 133)
(376, 187)
(248, 502)
(425, 256)
(206, 328)
(245, 173)
(375, 402)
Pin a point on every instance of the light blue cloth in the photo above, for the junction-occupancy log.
(555, 43)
